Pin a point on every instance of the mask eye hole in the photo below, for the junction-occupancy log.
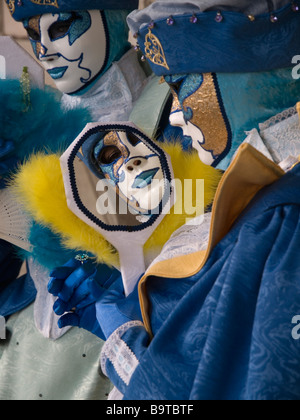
(133, 139)
(175, 86)
(60, 28)
(108, 155)
(33, 35)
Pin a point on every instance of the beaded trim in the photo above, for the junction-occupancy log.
(119, 354)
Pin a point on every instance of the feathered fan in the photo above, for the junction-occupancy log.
(14, 223)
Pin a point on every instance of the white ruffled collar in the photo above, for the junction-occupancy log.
(278, 138)
(111, 98)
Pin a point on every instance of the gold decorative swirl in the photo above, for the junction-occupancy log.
(11, 6)
(154, 50)
(46, 2)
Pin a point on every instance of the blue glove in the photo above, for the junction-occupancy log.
(114, 309)
(72, 283)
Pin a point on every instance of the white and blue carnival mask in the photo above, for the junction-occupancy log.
(76, 47)
(132, 167)
(215, 111)
(119, 182)
(228, 64)
(71, 46)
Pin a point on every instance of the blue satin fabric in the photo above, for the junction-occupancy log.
(15, 293)
(226, 333)
(235, 44)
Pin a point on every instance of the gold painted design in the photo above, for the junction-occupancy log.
(11, 6)
(154, 50)
(34, 23)
(112, 139)
(46, 2)
(207, 115)
(176, 103)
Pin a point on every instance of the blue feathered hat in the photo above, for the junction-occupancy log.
(218, 36)
(24, 9)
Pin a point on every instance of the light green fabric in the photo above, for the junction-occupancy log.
(35, 368)
(149, 107)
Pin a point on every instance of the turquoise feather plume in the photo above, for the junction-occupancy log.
(46, 126)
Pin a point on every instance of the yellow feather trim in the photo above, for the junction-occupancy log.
(40, 189)
(185, 166)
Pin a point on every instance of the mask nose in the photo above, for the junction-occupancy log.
(43, 54)
(133, 164)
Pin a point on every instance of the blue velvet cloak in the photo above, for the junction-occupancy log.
(226, 333)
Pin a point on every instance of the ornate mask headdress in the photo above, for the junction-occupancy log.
(201, 115)
(226, 63)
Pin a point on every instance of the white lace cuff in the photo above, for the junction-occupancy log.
(119, 354)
